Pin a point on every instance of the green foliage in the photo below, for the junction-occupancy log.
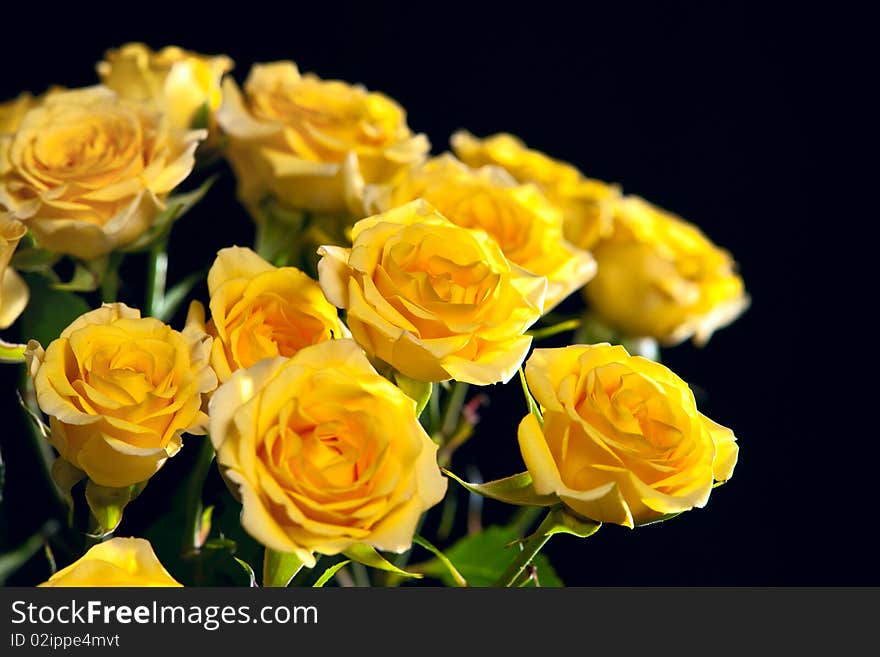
(418, 391)
(279, 568)
(50, 310)
(481, 558)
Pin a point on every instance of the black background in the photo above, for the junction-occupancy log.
(717, 112)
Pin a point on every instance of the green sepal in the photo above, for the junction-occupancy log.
(663, 518)
(279, 568)
(418, 391)
(594, 330)
(252, 578)
(107, 504)
(11, 353)
(534, 408)
(88, 274)
(34, 259)
(328, 574)
(176, 206)
(66, 476)
(201, 118)
(567, 522)
(457, 577)
(279, 232)
(366, 555)
(515, 489)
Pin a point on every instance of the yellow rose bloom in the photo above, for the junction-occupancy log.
(660, 277)
(434, 300)
(259, 311)
(180, 83)
(586, 204)
(120, 390)
(88, 172)
(12, 111)
(13, 291)
(312, 143)
(523, 222)
(622, 440)
(325, 453)
(117, 562)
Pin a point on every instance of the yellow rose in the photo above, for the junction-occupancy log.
(587, 204)
(622, 440)
(432, 299)
(120, 390)
(523, 222)
(325, 452)
(660, 277)
(12, 111)
(117, 562)
(312, 143)
(88, 172)
(259, 311)
(181, 83)
(13, 291)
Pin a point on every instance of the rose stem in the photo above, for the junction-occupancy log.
(529, 550)
(157, 275)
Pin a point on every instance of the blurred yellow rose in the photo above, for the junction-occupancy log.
(88, 172)
(312, 143)
(660, 277)
(117, 562)
(13, 291)
(259, 311)
(432, 299)
(587, 204)
(120, 390)
(180, 83)
(325, 453)
(523, 222)
(622, 440)
(12, 111)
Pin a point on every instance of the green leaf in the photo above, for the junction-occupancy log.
(176, 206)
(366, 555)
(49, 312)
(418, 391)
(534, 409)
(443, 559)
(516, 489)
(11, 353)
(330, 572)
(177, 295)
(279, 568)
(14, 559)
(481, 558)
(107, 504)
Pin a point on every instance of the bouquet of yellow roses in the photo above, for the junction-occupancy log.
(338, 360)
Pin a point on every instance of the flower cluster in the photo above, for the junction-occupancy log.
(330, 363)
